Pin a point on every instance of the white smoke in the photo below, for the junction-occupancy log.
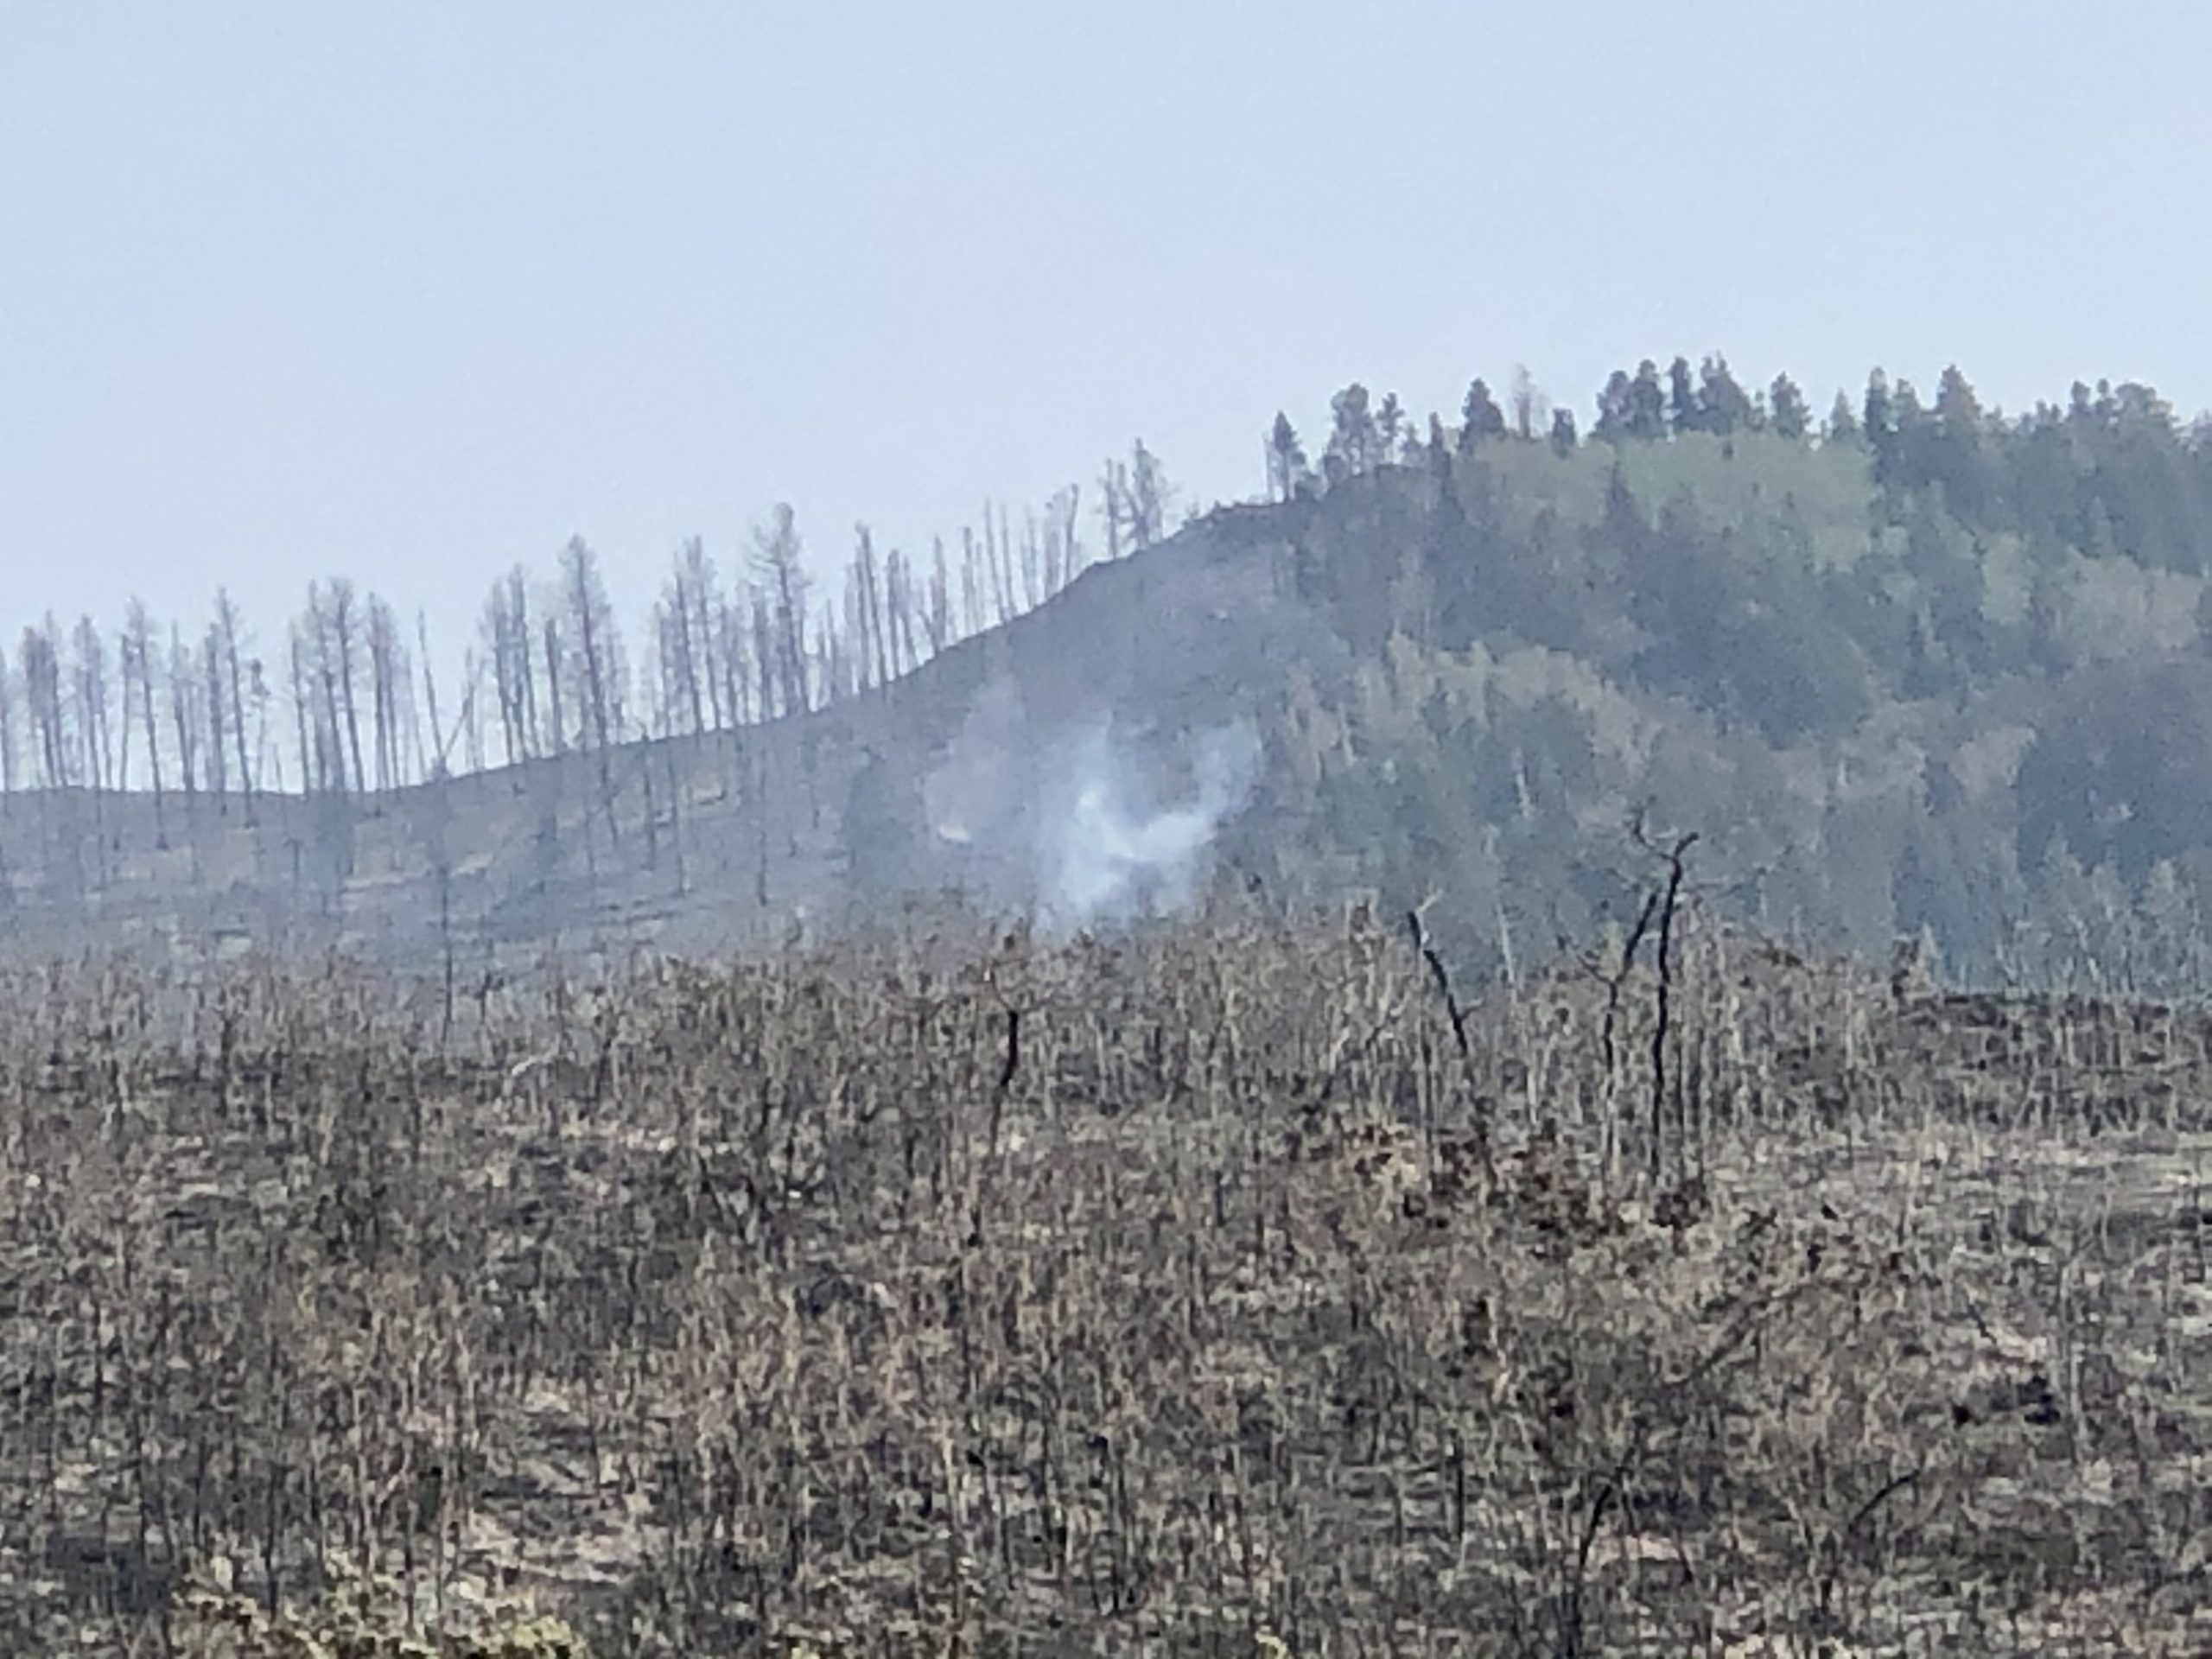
(974, 793)
(1112, 851)
(1065, 822)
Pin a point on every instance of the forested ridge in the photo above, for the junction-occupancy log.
(1918, 665)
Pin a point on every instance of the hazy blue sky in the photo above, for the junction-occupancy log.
(411, 290)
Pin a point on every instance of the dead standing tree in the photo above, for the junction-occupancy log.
(226, 640)
(598, 647)
(138, 674)
(1667, 902)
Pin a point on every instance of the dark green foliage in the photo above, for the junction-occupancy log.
(1723, 405)
(2117, 773)
(1843, 425)
(1647, 403)
(1355, 437)
(1481, 418)
(1390, 426)
(1683, 408)
(1940, 669)
(1787, 415)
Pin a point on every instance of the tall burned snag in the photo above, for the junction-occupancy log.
(1669, 898)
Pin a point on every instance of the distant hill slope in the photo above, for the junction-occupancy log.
(1961, 691)
(727, 841)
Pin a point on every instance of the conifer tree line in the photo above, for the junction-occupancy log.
(1919, 664)
(342, 701)
(2111, 469)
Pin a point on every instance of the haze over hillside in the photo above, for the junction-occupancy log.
(1914, 666)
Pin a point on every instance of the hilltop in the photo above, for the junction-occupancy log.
(1918, 671)
(696, 843)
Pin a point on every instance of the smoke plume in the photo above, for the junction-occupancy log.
(1068, 825)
